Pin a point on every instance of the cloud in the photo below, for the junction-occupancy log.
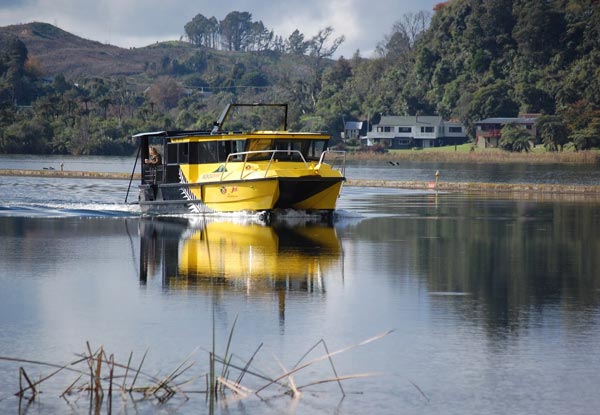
(128, 23)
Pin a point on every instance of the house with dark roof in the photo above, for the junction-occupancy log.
(488, 132)
(420, 131)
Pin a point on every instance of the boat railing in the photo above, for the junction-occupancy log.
(337, 156)
(246, 167)
(152, 174)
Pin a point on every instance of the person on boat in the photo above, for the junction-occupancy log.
(154, 157)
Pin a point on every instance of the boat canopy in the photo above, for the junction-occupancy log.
(150, 134)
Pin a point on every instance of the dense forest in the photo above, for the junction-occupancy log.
(466, 60)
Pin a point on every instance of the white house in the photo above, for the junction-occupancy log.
(419, 131)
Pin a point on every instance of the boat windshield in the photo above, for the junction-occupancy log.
(216, 151)
(310, 149)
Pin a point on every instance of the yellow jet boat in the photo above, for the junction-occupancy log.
(232, 171)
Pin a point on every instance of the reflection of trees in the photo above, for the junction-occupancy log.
(511, 256)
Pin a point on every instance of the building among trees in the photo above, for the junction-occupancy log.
(419, 131)
(354, 130)
(488, 132)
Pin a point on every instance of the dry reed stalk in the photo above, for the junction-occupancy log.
(338, 379)
(211, 394)
(245, 369)
(212, 387)
(40, 363)
(241, 390)
(123, 394)
(169, 379)
(139, 370)
(225, 367)
(333, 368)
(219, 359)
(420, 390)
(90, 363)
(60, 368)
(292, 384)
(23, 375)
(167, 387)
(111, 366)
(322, 341)
(296, 369)
(99, 392)
(70, 388)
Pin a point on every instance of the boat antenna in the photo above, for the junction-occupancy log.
(218, 125)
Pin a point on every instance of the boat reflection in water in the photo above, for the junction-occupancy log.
(249, 258)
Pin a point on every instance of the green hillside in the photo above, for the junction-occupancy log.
(466, 60)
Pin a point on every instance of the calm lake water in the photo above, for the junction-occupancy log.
(584, 174)
(494, 302)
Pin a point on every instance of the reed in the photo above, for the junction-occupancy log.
(98, 374)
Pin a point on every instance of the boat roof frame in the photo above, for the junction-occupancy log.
(218, 125)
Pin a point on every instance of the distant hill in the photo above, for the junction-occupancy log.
(59, 51)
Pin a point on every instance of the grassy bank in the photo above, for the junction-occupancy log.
(520, 190)
(465, 153)
(68, 174)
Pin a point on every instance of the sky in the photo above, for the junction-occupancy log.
(137, 23)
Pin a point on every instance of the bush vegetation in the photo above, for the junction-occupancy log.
(467, 60)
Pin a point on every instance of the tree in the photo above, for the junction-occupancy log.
(492, 101)
(295, 44)
(13, 55)
(318, 44)
(260, 38)
(588, 137)
(553, 132)
(488, 27)
(534, 99)
(405, 33)
(538, 29)
(319, 51)
(202, 31)
(165, 92)
(235, 30)
(515, 138)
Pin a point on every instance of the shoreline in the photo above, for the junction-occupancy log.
(482, 187)
(69, 174)
(478, 156)
(468, 187)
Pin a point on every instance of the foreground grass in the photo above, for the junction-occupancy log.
(466, 153)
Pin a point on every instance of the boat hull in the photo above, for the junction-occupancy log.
(302, 193)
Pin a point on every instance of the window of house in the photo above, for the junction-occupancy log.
(387, 129)
(404, 129)
(455, 129)
(426, 129)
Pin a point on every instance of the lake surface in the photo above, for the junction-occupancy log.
(494, 302)
(583, 174)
